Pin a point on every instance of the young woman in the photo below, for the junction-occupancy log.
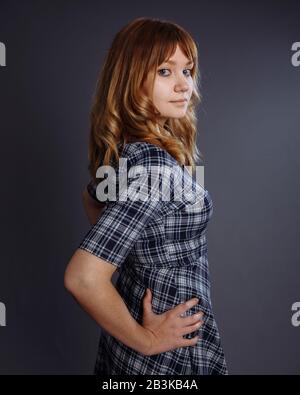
(144, 113)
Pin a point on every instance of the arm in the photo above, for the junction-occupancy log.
(88, 279)
(92, 208)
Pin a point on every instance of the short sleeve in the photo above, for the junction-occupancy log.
(122, 222)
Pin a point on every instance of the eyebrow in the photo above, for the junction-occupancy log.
(174, 63)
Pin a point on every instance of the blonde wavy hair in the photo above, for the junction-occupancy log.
(122, 113)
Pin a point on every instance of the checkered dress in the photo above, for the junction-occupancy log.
(157, 244)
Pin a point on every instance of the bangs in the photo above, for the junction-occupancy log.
(166, 47)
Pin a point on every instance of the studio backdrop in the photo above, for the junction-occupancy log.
(248, 132)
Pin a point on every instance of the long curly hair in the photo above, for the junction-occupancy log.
(122, 113)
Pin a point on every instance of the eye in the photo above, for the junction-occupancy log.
(189, 72)
(162, 70)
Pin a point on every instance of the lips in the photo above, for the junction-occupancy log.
(179, 101)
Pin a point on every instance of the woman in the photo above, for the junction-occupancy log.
(152, 322)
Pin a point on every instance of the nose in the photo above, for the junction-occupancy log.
(181, 84)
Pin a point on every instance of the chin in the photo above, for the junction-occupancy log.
(179, 115)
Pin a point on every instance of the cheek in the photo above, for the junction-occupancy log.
(161, 89)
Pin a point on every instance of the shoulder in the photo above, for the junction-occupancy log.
(144, 153)
(153, 162)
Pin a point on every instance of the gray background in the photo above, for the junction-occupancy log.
(248, 132)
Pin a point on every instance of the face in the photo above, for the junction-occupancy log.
(173, 82)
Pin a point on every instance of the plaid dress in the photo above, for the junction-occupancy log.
(158, 244)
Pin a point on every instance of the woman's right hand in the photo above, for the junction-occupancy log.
(165, 330)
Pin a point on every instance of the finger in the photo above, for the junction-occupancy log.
(191, 328)
(183, 307)
(190, 319)
(147, 305)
